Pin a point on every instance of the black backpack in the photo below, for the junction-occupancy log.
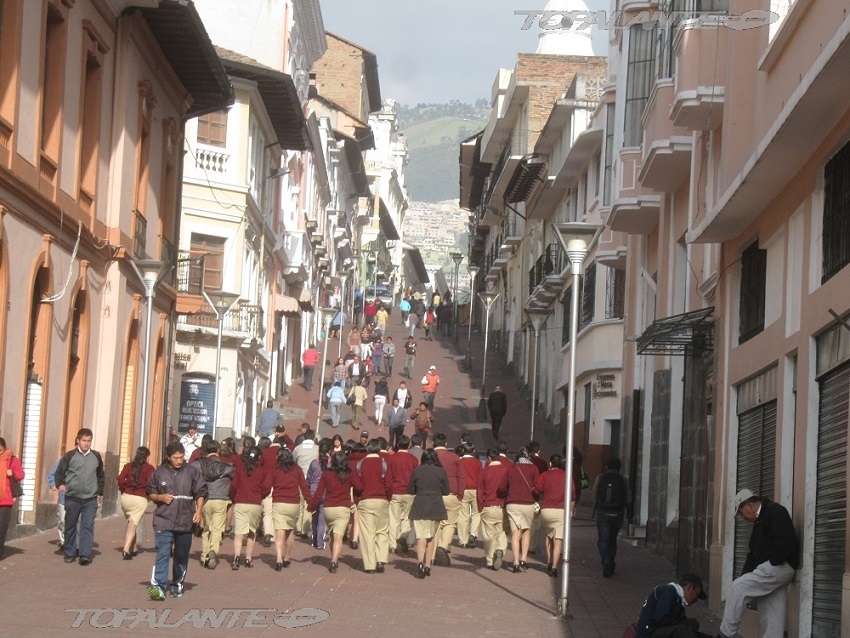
(611, 492)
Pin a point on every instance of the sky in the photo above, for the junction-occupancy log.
(435, 51)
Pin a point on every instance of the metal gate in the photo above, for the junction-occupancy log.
(29, 454)
(756, 468)
(831, 504)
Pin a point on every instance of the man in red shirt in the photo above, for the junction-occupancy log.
(373, 479)
(451, 464)
(310, 358)
(402, 464)
(491, 504)
(469, 518)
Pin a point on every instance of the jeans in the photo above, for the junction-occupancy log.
(380, 404)
(182, 542)
(82, 511)
(334, 410)
(607, 527)
(308, 377)
(320, 528)
(388, 365)
(428, 398)
(409, 362)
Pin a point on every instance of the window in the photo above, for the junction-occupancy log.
(94, 50)
(615, 293)
(143, 146)
(566, 302)
(640, 75)
(52, 87)
(10, 39)
(836, 214)
(608, 171)
(588, 296)
(588, 398)
(753, 273)
(212, 129)
(597, 162)
(210, 267)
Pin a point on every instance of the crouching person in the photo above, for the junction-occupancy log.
(179, 491)
(663, 613)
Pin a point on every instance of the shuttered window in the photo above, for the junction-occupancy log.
(831, 503)
(756, 467)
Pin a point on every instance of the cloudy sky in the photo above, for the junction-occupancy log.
(439, 50)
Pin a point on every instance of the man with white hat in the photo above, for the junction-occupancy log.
(771, 562)
(429, 386)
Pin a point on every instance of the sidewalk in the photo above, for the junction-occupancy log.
(39, 589)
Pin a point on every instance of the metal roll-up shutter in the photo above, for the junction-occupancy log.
(831, 504)
(756, 467)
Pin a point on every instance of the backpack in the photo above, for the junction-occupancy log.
(611, 492)
(359, 466)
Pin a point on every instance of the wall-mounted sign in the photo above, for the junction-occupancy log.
(604, 386)
(197, 402)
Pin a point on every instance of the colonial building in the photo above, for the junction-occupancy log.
(93, 100)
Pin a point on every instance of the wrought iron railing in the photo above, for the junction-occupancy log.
(190, 273)
(140, 231)
(245, 318)
(168, 254)
(551, 262)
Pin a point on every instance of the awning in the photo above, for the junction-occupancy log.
(387, 224)
(287, 306)
(303, 296)
(525, 178)
(181, 35)
(686, 334)
(415, 271)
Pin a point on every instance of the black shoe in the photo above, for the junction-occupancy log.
(286, 563)
(235, 564)
(268, 540)
(355, 545)
(126, 556)
(441, 558)
(70, 559)
(205, 563)
(380, 568)
(278, 567)
(85, 560)
(402, 546)
(515, 569)
(332, 569)
(61, 546)
(523, 566)
(607, 572)
(249, 563)
(369, 571)
(420, 572)
(427, 571)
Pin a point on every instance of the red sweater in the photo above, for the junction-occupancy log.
(374, 478)
(269, 457)
(402, 464)
(490, 491)
(286, 485)
(519, 482)
(451, 464)
(126, 484)
(551, 485)
(249, 490)
(335, 492)
(471, 471)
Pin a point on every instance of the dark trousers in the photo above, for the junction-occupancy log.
(82, 511)
(394, 434)
(607, 527)
(5, 519)
(688, 628)
(308, 378)
(497, 423)
(388, 365)
(428, 398)
(182, 542)
(320, 527)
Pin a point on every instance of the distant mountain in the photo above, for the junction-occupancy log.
(434, 132)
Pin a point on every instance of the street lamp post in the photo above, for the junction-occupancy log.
(473, 272)
(374, 257)
(575, 238)
(221, 303)
(327, 316)
(343, 277)
(537, 317)
(488, 297)
(150, 272)
(457, 258)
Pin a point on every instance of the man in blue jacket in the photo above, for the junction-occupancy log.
(663, 613)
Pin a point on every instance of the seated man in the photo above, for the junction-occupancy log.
(663, 613)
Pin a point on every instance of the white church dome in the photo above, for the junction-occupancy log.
(559, 34)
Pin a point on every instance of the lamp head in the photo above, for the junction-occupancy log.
(457, 258)
(488, 297)
(220, 300)
(537, 317)
(328, 314)
(576, 238)
(150, 272)
(473, 271)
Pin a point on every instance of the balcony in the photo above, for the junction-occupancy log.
(666, 148)
(636, 208)
(544, 279)
(168, 254)
(140, 232)
(701, 49)
(290, 251)
(511, 233)
(244, 321)
(211, 161)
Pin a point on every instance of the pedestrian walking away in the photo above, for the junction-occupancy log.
(310, 358)
(288, 486)
(247, 491)
(429, 485)
(450, 462)
(663, 613)
(611, 494)
(218, 475)
(773, 557)
(133, 484)
(336, 399)
(519, 506)
(373, 478)
(497, 404)
(179, 491)
(550, 487)
(402, 464)
(267, 420)
(469, 518)
(334, 491)
(80, 475)
(491, 504)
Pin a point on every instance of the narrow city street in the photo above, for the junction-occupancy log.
(43, 596)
